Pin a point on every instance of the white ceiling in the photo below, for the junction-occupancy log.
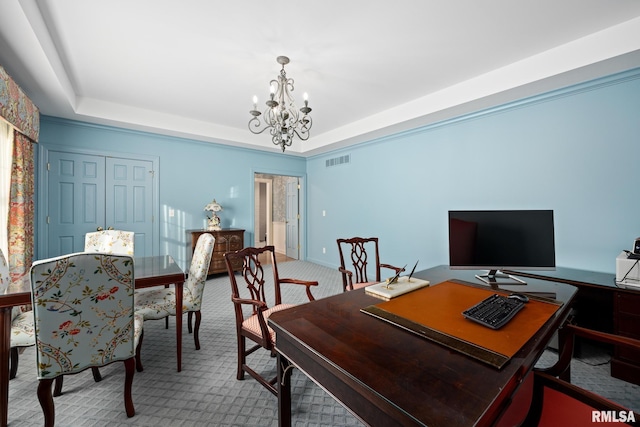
(190, 68)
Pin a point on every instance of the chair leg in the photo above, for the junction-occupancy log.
(130, 369)
(96, 374)
(46, 401)
(196, 328)
(57, 390)
(13, 363)
(139, 367)
(241, 357)
(189, 318)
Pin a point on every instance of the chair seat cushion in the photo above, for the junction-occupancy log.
(363, 285)
(157, 303)
(252, 324)
(138, 322)
(22, 333)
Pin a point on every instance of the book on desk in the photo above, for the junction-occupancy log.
(401, 286)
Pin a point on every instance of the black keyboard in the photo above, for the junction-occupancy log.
(494, 311)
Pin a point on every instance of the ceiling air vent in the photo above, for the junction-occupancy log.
(338, 160)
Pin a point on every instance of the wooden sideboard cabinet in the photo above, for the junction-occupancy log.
(227, 240)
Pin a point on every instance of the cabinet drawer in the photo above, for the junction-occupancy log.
(628, 325)
(220, 246)
(628, 303)
(628, 354)
(217, 264)
(235, 243)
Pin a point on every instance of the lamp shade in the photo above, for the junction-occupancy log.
(213, 206)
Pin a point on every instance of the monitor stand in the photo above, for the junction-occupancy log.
(493, 276)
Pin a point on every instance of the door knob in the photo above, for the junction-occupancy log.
(99, 229)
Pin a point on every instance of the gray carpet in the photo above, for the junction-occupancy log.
(206, 392)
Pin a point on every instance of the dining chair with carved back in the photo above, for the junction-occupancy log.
(253, 307)
(556, 401)
(356, 253)
(547, 397)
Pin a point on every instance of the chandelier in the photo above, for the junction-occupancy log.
(281, 116)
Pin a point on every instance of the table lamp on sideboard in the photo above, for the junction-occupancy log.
(213, 221)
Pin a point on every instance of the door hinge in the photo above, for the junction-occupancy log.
(298, 216)
(298, 186)
(48, 166)
(47, 219)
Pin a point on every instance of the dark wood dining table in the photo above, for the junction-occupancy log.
(159, 270)
(8, 300)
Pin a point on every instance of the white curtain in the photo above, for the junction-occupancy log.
(6, 154)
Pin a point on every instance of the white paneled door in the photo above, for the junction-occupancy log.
(87, 192)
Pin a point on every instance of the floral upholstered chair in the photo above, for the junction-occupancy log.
(110, 242)
(22, 334)
(160, 303)
(84, 318)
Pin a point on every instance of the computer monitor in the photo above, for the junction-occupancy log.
(501, 239)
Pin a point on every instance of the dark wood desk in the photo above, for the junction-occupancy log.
(159, 271)
(603, 306)
(149, 271)
(594, 302)
(388, 376)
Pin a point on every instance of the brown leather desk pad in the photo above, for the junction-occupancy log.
(436, 313)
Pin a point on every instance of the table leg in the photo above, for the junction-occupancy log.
(5, 347)
(284, 391)
(179, 292)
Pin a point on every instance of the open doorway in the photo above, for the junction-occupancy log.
(263, 216)
(276, 217)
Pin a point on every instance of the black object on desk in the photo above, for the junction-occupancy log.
(495, 311)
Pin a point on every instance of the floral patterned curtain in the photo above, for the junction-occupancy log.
(21, 210)
(17, 108)
(24, 116)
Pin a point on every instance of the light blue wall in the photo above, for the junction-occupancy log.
(576, 151)
(192, 173)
